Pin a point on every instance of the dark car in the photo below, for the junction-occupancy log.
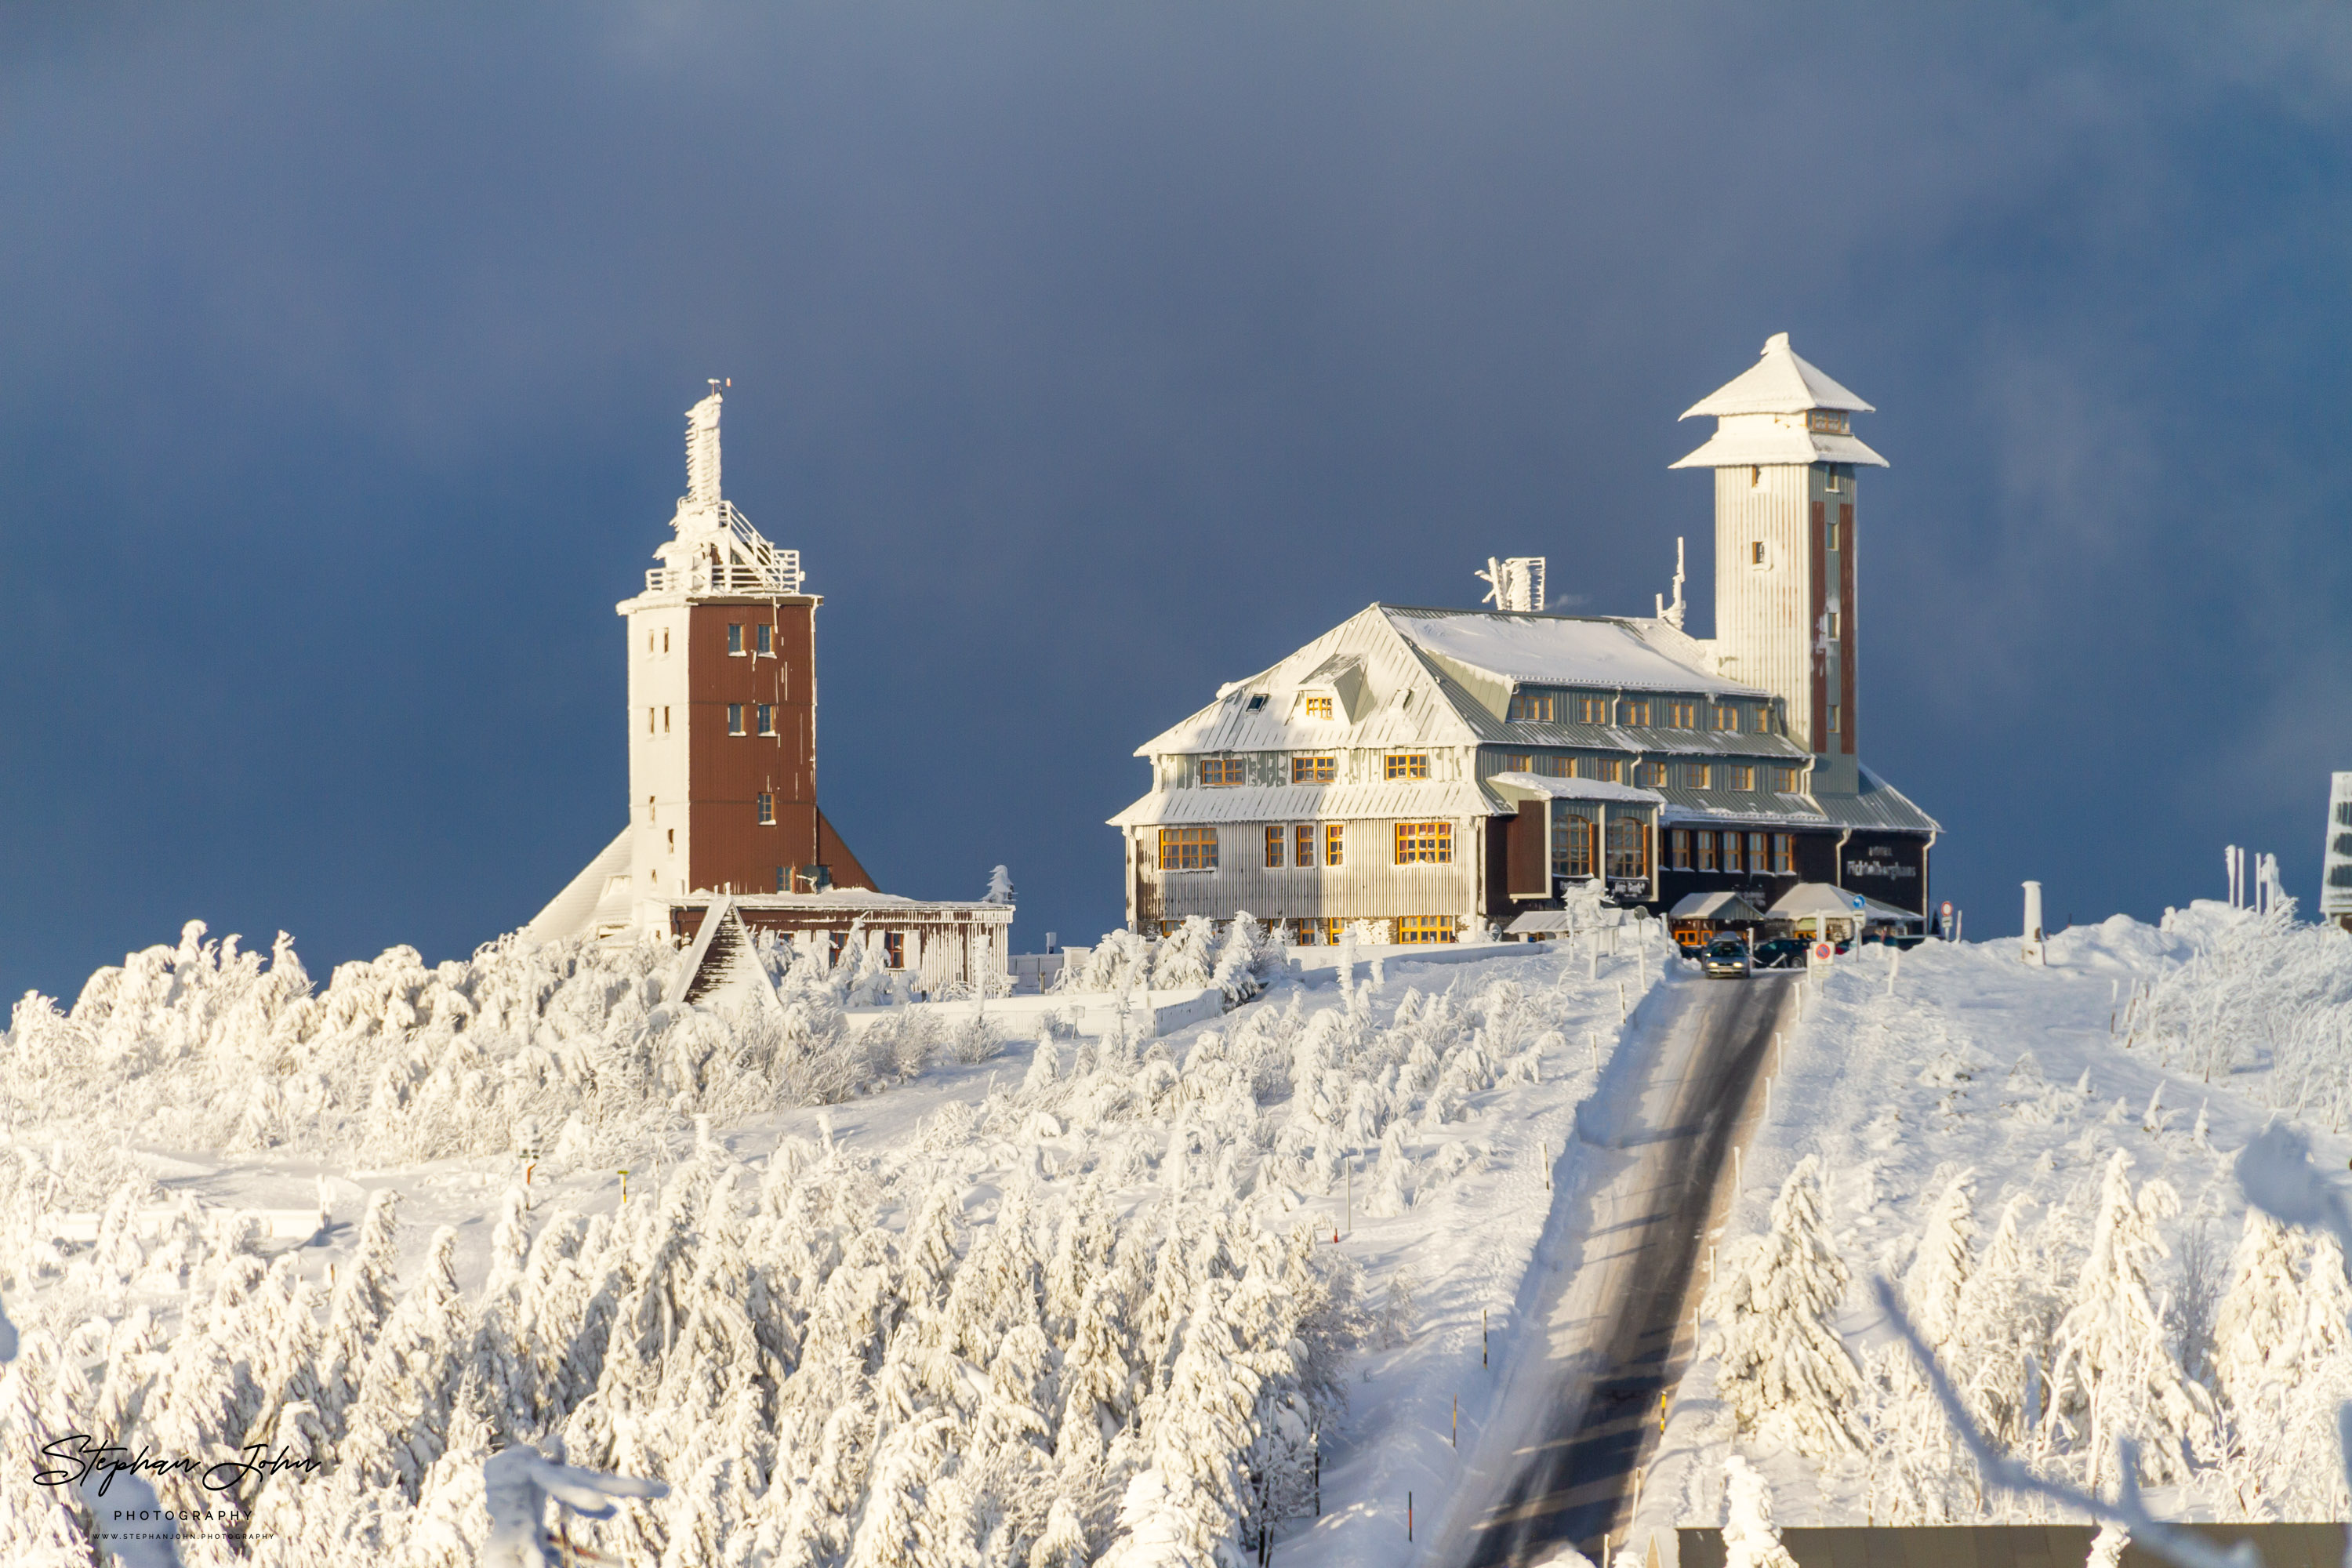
(1782, 952)
(1726, 958)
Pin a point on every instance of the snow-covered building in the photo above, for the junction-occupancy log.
(721, 720)
(1444, 768)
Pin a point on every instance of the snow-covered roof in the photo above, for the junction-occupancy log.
(1878, 805)
(1781, 382)
(1808, 901)
(1577, 789)
(598, 896)
(1197, 803)
(1743, 440)
(1720, 905)
(1606, 652)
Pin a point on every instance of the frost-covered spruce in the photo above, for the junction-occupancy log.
(2112, 1372)
(2258, 1331)
(1946, 1257)
(1785, 1372)
(1750, 1537)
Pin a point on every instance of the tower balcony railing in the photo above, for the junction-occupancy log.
(781, 577)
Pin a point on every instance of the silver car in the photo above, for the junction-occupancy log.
(1726, 958)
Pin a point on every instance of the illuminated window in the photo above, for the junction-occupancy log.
(1334, 843)
(1784, 780)
(1414, 929)
(1316, 931)
(1739, 775)
(1534, 707)
(893, 944)
(734, 637)
(767, 717)
(1678, 847)
(767, 809)
(1187, 848)
(1698, 775)
(1302, 840)
(734, 718)
(1572, 845)
(1274, 837)
(1629, 847)
(1637, 712)
(1408, 765)
(1220, 770)
(1424, 843)
(764, 638)
(1784, 854)
(1314, 770)
(1319, 708)
(1681, 715)
(1705, 851)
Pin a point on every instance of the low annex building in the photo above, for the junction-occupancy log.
(721, 721)
(1441, 769)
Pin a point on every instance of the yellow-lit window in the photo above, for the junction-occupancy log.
(1742, 776)
(1637, 712)
(1681, 715)
(1303, 841)
(1319, 708)
(1408, 765)
(1187, 848)
(1314, 770)
(1784, 779)
(1726, 717)
(1609, 770)
(1535, 706)
(1592, 709)
(1424, 843)
(1220, 770)
(1698, 775)
(1415, 929)
(1334, 843)
(1274, 837)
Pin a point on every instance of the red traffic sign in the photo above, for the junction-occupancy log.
(1947, 911)
(1823, 953)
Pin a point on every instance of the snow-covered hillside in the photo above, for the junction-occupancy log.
(898, 1294)
(2042, 1158)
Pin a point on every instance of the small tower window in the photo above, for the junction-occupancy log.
(767, 718)
(665, 720)
(1756, 553)
(1837, 720)
(665, 639)
(734, 718)
(764, 638)
(734, 637)
(1831, 477)
(767, 809)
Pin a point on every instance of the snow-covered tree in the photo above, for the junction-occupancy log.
(1785, 1372)
(1946, 1257)
(1750, 1537)
(2258, 1331)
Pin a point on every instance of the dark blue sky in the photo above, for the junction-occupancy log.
(1093, 355)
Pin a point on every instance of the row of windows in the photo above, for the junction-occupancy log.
(1330, 931)
(763, 714)
(1535, 706)
(1302, 837)
(762, 638)
(1220, 772)
(1703, 849)
(1574, 839)
(1743, 776)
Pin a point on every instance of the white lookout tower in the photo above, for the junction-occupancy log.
(1784, 460)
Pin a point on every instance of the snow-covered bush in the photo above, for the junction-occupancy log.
(1786, 1374)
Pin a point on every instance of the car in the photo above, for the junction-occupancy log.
(1782, 952)
(1726, 958)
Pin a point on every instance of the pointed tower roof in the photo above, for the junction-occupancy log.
(1781, 382)
(1781, 411)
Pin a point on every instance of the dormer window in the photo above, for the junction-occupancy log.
(1534, 707)
(1826, 422)
(1221, 771)
(1256, 701)
(1318, 707)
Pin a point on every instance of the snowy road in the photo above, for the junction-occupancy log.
(1556, 1467)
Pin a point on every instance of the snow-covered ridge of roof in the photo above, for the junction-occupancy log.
(1779, 382)
(1578, 789)
(1603, 652)
(1434, 798)
(1742, 440)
